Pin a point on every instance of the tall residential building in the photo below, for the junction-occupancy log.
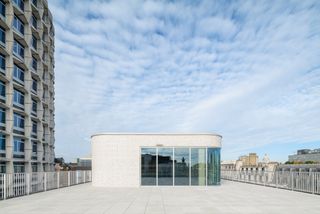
(26, 86)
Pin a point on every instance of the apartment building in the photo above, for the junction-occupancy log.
(26, 86)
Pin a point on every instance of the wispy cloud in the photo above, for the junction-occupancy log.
(247, 70)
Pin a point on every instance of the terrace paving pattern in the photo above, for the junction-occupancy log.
(230, 197)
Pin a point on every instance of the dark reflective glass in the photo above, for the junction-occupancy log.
(198, 166)
(165, 166)
(181, 166)
(148, 166)
(213, 162)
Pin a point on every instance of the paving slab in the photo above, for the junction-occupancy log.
(229, 197)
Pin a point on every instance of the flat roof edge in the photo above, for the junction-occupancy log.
(210, 134)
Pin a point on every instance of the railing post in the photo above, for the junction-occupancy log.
(58, 180)
(84, 176)
(45, 181)
(291, 180)
(76, 177)
(312, 182)
(276, 174)
(28, 183)
(68, 178)
(4, 186)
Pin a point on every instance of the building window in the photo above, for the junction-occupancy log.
(35, 2)
(34, 127)
(19, 3)
(34, 42)
(34, 21)
(34, 106)
(18, 167)
(2, 89)
(3, 62)
(34, 167)
(34, 63)
(2, 116)
(18, 121)
(44, 152)
(2, 35)
(34, 85)
(18, 25)
(44, 95)
(34, 150)
(2, 143)
(18, 73)
(18, 145)
(2, 167)
(3, 8)
(18, 98)
(18, 49)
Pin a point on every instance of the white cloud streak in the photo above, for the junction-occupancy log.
(248, 71)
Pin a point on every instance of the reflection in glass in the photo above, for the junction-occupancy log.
(213, 166)
(198, 166)
(165, 166)
(181, 166)
(148, 166)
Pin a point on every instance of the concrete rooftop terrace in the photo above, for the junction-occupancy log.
(230, 197)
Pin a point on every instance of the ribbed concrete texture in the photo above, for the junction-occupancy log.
(230, 197)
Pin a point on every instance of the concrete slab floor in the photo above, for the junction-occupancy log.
(230, 197)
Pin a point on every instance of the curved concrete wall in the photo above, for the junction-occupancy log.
(116, 157)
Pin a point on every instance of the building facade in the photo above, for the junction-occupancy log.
(26, 86)
(133, 160)
(306, 155)
(250, 163)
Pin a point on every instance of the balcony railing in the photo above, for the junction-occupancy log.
(18, 184)
(296, 181)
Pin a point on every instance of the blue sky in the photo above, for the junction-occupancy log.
(248, 70)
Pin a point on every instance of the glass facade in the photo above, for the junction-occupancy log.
(180, 166)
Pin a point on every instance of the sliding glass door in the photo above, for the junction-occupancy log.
(165, 166)
(148, 166)
(180, 166)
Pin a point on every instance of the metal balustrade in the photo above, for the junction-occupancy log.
(18, 184)
(308, 182)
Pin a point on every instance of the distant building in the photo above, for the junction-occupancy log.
(84, 163)
(250, 163)
(306, 155)
(249, 160)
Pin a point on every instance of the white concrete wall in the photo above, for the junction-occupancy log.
(116, 157)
